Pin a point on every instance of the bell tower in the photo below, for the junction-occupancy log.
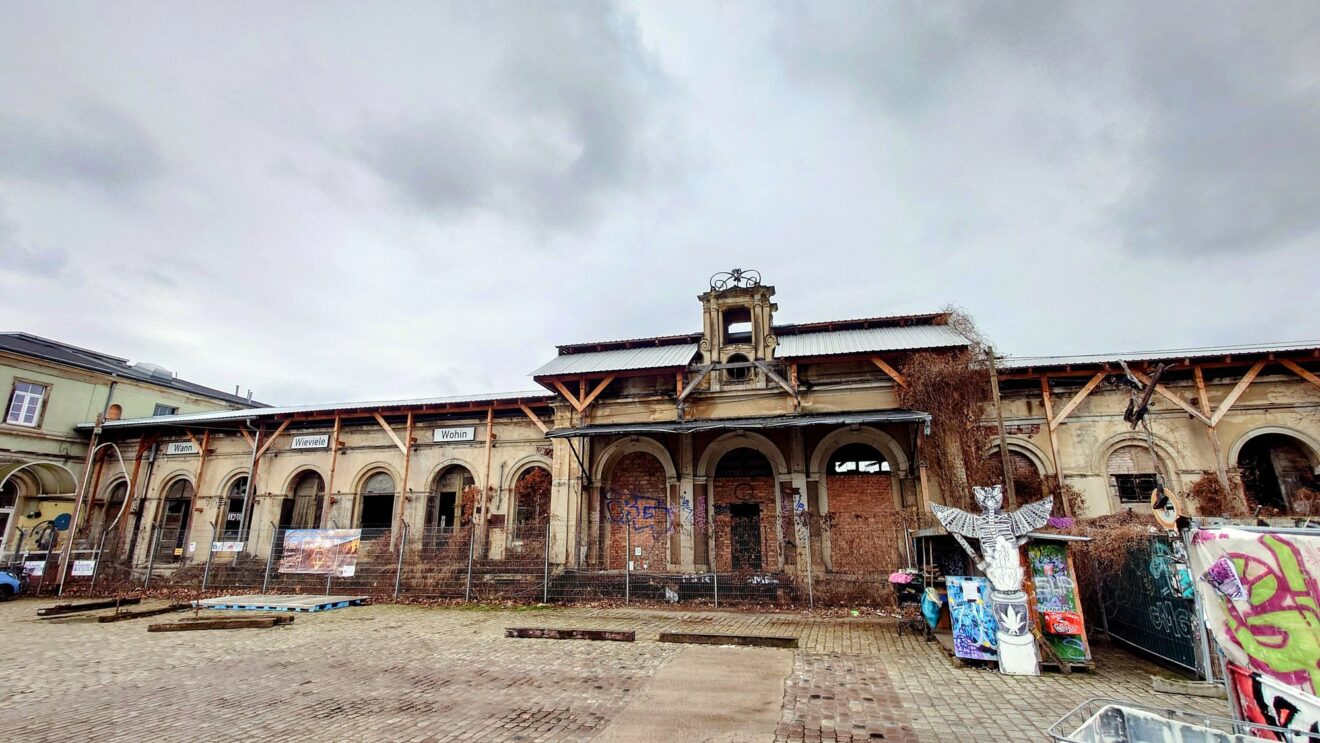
(737, 328)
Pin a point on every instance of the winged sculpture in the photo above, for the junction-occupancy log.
(994, 524)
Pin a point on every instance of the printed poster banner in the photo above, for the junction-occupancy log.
(1261, 593)
(974, 625)
(1267, 702)
(83, 568)
(321, 551)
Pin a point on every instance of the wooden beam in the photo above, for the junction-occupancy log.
(891, 371)
(401, 503)
(393, 436)
(678, 383)
(266, 446)
(1236, 392)
(248, 437)
(1295, 368)
(201, 465)
(1077, 399)
(783, 383)
(193, 439)
(596, 392)
(534, 418)
(1167, 394)
(485, 488)
(1202, 397)
(330, 483)
(1054, 443)
(572, 399)
(701, 374)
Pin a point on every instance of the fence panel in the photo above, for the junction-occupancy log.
(1144, 607)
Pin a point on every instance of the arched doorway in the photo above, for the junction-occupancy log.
(746, 537)
(8, 502)
(301, 507)
(377, 502)
(1278, 474)
(236, 519)
(448, 506)
(635, 506)
(865, 532)
(175, 516)
(105, 514)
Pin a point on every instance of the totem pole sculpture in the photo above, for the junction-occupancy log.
(1001, 533)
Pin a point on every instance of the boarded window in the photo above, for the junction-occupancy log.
(1132, 473)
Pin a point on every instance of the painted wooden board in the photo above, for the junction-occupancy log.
(974, 624)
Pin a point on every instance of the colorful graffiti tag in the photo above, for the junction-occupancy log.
(1056, 601)
(645, 513)
(974, 624)
(1275, 629)
(1267, 702)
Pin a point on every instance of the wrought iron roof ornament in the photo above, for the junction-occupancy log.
(736, 279)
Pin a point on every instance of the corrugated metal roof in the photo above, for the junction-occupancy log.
(841, 342)
(1023, 362)
(238, 415)
(653, 357)
(718, 424)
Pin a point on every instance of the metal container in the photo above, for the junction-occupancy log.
(1113, 721)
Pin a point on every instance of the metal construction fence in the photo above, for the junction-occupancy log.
(1145, 607)
(797, 563)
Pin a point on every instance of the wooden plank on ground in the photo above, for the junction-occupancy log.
(219, 623)
(121, 616)
(551, 633)
(759, 641)
(60, 609)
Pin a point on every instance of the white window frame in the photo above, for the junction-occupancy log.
(21, 403)
(174, 409)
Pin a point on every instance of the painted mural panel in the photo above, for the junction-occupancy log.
(973, 622)
(1261, 593)
(1057, 605)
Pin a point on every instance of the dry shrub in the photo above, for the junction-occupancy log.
(954, 387)
(1306, 502)
(1112, 538)
(1211, 500)
(1072, 499)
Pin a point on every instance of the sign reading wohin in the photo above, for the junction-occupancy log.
(460, 433)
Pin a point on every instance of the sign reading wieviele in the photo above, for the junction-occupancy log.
(181, 447)
(311, 441)
(458, 433)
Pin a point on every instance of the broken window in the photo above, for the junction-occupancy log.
(236, 500)
(738, 374)
(857, 459)
(1132, 473)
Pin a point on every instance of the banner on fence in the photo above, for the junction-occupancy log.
(226, 547)
(34, 568)
(321, 551)
(1261, 594)
(1265, 701)
(83, 568)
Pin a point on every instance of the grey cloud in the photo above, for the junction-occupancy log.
(27, 259)
(95, 146)
(562, 122)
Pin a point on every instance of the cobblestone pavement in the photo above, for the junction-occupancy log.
(422, 674)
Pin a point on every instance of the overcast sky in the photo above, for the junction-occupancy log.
(335, 201)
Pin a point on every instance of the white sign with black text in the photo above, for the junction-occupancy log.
(181, 447)
(460, 433)
(311, 441)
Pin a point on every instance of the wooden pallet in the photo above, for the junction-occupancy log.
(946, 644)
(281, 602)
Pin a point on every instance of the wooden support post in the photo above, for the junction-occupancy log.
(572, 399)
(534, 418)
(330, 482)
(248, 438)
(1077, 400)
(393, 436)
(921, 469)
(678, 384)
(485, 491)
(1211, 432)
(266, 446)
(201, 469)
(1296, 368)
(407, 465)
(891, 371)
(1164, 392)
(1054, 443)
(1004, 464)
(1236, 392)
(596, 391)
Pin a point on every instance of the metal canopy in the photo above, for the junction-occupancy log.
(717, 424)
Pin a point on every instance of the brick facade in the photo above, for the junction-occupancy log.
(637, 495)
(729, 491)
(866, 534)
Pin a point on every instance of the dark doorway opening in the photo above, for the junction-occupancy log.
(440, 510)
(1277, 474)
(745, 535)
(377, 511)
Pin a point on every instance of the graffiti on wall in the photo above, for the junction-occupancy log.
(1267, 702)
(1274, 629)
(646, 513)
(1056, 600)
(973, 622)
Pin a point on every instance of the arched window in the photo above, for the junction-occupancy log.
(377, 502)
(303, 509)
(1132, 473)
(114, 503)
(175, 515)
(447, 505)
(1277, 474)
(114, 412)
(857, 459)
(532, 491)
(743, 462)
(738, 374)
(236, 505)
